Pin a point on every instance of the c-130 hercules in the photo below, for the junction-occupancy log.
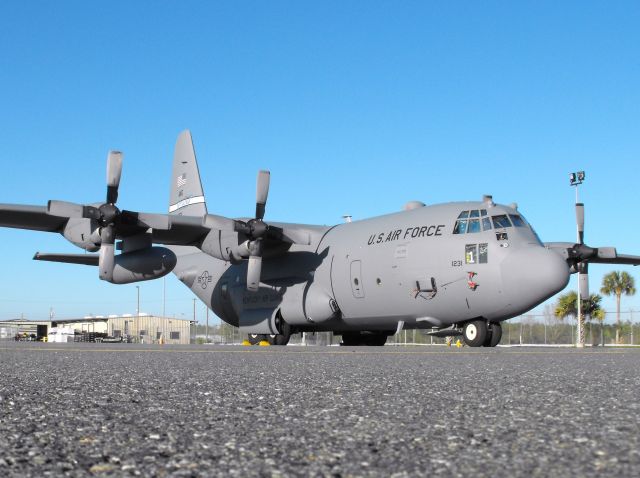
(459, 268)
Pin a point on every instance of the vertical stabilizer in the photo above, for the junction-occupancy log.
(186, 197)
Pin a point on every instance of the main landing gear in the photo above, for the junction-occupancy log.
(358, 338)
(273, 339)
(480, 333)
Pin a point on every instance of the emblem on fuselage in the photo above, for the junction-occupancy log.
(204, 279)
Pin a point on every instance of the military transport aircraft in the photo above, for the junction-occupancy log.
(459, 268)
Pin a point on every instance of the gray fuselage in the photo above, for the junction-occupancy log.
(430, 266)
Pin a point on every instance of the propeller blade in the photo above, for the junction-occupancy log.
(262, 191)
(580, 221)
(583, 270)
(114, 171)
(220, 223)
(65, 209)
(607, 253)
(107, 258)
(254, 269)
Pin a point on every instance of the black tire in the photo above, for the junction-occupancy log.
(284, 336)
(256, 338)
(351, 339)
(475, 333)
(375, 340)
(494, 337)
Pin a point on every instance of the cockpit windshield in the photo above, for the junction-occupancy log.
(472, 221)
(477, 220)
(501, 221)
(517, 220)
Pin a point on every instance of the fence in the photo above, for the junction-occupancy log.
(525, 330)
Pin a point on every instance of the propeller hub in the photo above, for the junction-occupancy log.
(582, 252)
(108, 213)
(257, 228)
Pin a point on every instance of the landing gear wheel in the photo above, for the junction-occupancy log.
(285, 333)
(475, 333)
(375, 340)
(351, 339)
(256, 338)
(494, 335)
(358, 339)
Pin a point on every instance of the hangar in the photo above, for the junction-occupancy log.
(143, 328)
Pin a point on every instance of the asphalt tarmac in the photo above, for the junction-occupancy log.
(124, 409)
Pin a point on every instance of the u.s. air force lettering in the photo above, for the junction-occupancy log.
(408, 233)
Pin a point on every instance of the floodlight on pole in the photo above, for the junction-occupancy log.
(575, 179)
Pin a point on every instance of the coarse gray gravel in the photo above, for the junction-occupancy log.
(124, 409)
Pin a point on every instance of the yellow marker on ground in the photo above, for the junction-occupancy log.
(263, 343)
(246, 342)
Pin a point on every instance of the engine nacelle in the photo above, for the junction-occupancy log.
(83, 233)
(145, 264)
(220, 244)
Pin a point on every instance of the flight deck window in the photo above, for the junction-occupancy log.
(463, 215)
(486, 223)
(474, 213)
(483, 212)
(517, 220)
(501, 221)
(460, 227)
(474, 225)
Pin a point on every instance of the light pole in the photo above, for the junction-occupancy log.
(195, 328)
(576, 179)
(138, 313)
(206, 334)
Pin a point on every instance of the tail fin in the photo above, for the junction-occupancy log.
(186, 196)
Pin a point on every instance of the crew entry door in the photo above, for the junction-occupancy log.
(356, 279)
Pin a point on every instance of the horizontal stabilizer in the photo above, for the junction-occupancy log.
(84, 259)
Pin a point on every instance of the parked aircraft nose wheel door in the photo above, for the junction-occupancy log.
(475, 333)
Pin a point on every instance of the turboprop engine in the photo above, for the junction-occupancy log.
(136, 266)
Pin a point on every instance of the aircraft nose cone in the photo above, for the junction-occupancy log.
(531, 275)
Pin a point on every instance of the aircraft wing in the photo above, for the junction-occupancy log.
(182, 231)
(30, 217)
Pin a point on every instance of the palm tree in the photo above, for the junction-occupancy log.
(567, 306)
(618, 283)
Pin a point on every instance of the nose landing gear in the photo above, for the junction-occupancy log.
(480, 333)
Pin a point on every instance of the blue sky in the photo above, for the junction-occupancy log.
(355, 107)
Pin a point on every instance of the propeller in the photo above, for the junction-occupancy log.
(256, 231)
(108, 217)
(580, 255)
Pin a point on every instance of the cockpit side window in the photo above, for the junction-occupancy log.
(486, 223)
(463, 215)
(460, 227)
(517, 220)
(501, 221)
